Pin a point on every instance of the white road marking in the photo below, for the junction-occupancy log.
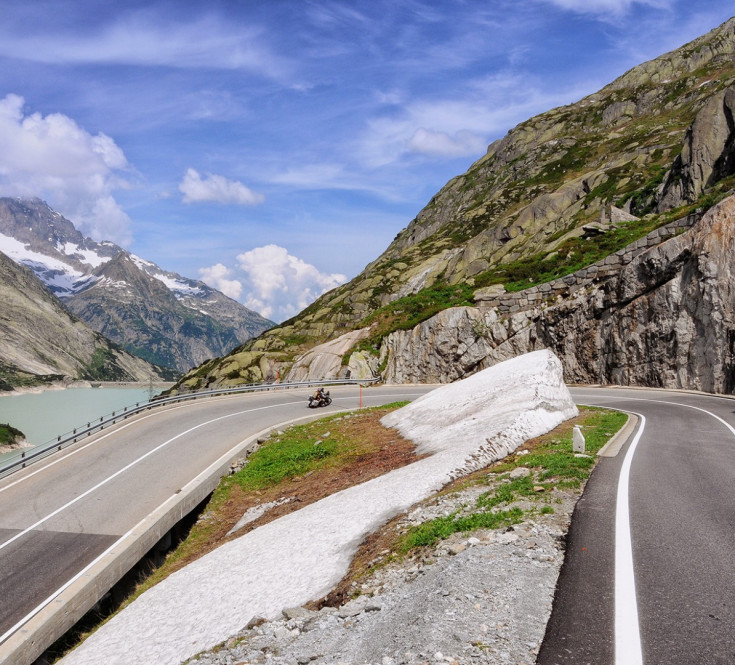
(627, 631)
(628, 650)
(130, 465)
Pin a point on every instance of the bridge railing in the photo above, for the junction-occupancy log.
(29, 456)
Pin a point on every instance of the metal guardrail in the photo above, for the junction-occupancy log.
(29, 456)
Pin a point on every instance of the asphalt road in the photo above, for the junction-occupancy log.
(59, 514)
(649, 575)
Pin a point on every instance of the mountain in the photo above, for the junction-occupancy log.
(561, 191)
(40, 341)
(161, 316)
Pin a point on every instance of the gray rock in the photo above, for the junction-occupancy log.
(520, 472)
(298, 613)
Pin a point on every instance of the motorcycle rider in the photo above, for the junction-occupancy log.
(319, 395)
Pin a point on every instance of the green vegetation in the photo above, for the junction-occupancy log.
(552, 466)
(407, 312)
(297, 452)
(104, 367)
(12, 377)
(9, 434)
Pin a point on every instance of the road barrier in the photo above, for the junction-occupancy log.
(37, 453)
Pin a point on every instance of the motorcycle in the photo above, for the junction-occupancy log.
(322, 399)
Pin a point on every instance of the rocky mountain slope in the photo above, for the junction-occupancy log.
(41, 341)
(160, 316)
(559, 192)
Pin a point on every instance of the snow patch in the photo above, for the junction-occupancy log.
(301, 556)
(180, 287)
(59, 276)
(88, 256)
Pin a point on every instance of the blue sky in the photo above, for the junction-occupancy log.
(274, 148)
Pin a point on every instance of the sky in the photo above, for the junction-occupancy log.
(273, 149)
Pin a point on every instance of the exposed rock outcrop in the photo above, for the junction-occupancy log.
(326, 360)
(708, 153)
(666, 318)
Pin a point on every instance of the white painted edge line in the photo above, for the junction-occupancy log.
(628, 650)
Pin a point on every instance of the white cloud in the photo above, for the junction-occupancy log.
(311, 176)
(54, 158)
(461, 126)
(604, 7)
(216, 277)
(216, 188)
(279, 284)
(429, 142)
(149, 39)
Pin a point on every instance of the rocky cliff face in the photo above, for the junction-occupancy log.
(665, 318)
(161, 316)
(40, 340)
(561, 191)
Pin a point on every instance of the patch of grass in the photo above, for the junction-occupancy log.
(293, 454)
(552, 465)
(431, 532)
(9, 434)
(284, 457)
(407, 312)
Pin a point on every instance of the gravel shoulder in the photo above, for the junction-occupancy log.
(478, 598)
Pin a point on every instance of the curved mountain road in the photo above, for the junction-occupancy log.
(649, 575)
(58, 515)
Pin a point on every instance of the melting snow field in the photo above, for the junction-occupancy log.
(301, 556)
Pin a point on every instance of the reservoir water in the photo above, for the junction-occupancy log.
(43, 416)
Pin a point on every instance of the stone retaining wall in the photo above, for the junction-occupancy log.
(549, 292)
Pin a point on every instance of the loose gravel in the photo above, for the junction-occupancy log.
(483, 597)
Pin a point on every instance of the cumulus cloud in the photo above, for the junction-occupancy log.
(280, 285)
(54, 158)
(216, 277)
(217, 188)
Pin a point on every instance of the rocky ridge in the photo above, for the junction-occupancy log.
(657, 141)
(161, 316)
(39, 339)
(659, 315)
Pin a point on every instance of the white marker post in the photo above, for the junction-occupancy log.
(578, 444)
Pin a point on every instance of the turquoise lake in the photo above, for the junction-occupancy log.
(44, 416)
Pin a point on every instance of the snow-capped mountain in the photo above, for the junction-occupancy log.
(163, 317)
(41, 342)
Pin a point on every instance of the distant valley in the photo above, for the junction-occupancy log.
(164, 318)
